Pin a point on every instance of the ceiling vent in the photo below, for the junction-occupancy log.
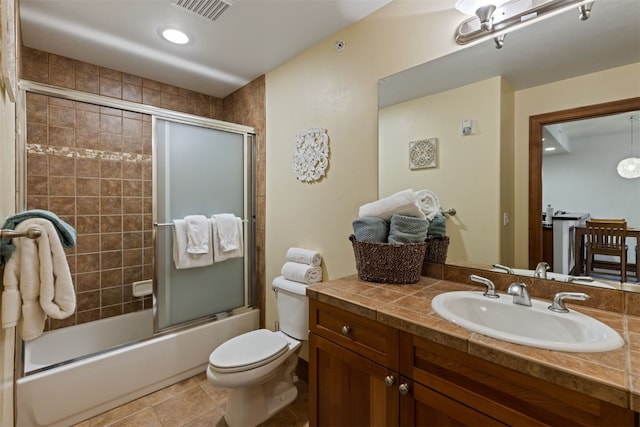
(209, 9)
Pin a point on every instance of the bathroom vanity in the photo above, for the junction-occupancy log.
(379, 355)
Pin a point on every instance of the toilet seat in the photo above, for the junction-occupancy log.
(248, 351)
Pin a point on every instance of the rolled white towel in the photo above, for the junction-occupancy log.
(303, 273)
(304, 256)
(429, 203)
(402, 203)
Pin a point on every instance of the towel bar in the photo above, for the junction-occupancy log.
(450, 212)
(170, 224)
(32, 233)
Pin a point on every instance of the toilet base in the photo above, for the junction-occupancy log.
(249, 406)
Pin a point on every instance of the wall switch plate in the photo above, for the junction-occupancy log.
(505, 218)
(468, 127)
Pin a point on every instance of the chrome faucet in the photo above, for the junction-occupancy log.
(491, 288)
(520, 294)
(557, 304)
(541, 270)
(505, 268)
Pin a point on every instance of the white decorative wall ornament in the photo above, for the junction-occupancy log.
(423, 154)
(311, 155)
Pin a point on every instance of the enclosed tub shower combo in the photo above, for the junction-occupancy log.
(200, 167)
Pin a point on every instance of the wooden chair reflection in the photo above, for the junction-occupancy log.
(607, 237)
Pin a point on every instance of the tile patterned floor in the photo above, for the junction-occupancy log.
(192, 403)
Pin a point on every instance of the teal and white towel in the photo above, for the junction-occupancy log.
(371, 229)
(66, 233)
(438, 226)
(408, 229)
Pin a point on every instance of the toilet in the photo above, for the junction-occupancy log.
(258, 366)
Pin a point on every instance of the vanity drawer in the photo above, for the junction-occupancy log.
(364, 336)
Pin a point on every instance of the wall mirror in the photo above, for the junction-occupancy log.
(558, 48)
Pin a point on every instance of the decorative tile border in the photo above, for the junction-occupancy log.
(83, 153)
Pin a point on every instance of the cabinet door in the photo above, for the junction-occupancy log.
(346, 389)
(421, 406)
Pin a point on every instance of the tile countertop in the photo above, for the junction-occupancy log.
(612, 376)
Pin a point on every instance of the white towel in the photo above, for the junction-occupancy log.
(37, 281)
(228, 233)
(181, 257)
(402, 203)
(198, 234)
(429, 203)
(289, 286)
(233, 246)
(304, 256)
(303, 273)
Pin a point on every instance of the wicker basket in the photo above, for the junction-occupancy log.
(388, 263)
(437, 249)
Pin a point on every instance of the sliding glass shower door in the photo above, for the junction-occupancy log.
(199, 171)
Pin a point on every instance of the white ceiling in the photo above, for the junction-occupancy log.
(251, 38)
(548, 50)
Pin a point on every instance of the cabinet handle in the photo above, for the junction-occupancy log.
(346, 330)
(404, 388)
(389, 380)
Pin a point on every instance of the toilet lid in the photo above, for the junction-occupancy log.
(248, 351)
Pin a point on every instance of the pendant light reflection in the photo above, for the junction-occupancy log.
(630, 167)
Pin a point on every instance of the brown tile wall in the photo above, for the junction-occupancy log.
(247, 106)
(91, 165)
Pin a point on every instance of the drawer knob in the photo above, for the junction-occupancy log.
(389, 380)
(404, 388)
(346, 330)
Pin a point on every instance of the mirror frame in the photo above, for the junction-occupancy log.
(536, 123)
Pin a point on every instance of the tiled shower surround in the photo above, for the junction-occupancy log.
(91, 165)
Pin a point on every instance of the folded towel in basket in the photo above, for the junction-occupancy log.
(303, 273)
(371, 229)
(304, 256)
(403, 203)
(408, 229)
(438, 226)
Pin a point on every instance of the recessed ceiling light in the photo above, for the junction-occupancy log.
(174, 36)
(550, 149)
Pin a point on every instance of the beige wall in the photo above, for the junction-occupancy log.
(338, 91)
(610, 85)
(474, 230)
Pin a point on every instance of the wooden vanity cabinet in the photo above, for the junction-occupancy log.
(364, 373)
(501, 394)
(353, 369)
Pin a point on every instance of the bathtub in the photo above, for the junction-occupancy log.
(74, 391)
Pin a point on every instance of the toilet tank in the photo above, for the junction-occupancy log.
(293, 308)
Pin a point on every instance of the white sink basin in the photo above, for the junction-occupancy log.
(534, 326)
(559, 277)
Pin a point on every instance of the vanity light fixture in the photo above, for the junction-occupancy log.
(174, 35)
(630, 167)
(495, 18)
